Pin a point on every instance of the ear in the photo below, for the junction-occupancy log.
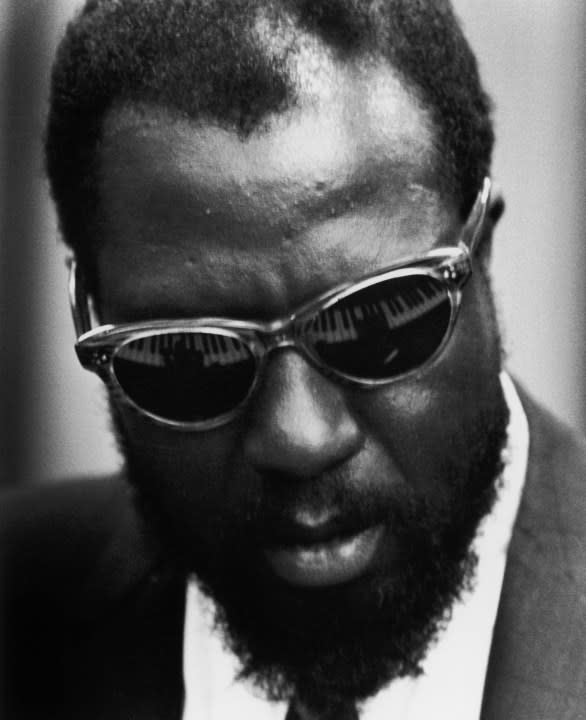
(494, 213)
(496, 208)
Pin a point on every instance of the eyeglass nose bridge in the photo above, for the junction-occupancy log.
(283, 334)
(279, 335)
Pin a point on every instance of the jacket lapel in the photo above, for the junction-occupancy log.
(537, 661)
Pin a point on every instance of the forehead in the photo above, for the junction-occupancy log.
(357, 144)
(354, 125)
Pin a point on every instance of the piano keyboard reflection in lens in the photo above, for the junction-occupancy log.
(399, 307)
(171, 348)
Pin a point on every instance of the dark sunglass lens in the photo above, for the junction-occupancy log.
(383, 330)
(185, 376)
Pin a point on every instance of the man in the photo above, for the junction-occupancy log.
(281, 217)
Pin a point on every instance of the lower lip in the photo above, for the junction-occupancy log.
(329, 563)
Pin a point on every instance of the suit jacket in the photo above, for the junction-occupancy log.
(93, 617)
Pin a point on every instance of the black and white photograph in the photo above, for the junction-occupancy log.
(292, 360)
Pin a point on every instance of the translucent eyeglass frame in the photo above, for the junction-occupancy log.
(96, 347)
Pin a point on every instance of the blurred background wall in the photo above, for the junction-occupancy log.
(531, 53)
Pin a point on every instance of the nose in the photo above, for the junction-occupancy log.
(299, 423)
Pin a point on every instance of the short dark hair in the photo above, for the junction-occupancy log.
(200, 57)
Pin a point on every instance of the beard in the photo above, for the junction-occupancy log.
(347, 641)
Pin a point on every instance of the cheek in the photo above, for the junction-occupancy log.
(189, 474)
(431, 422)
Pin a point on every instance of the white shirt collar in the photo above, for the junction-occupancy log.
(452, 684)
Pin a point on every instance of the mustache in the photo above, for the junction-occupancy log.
(283, 511)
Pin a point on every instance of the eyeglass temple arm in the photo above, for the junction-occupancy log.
(78, 299)
(475, 224)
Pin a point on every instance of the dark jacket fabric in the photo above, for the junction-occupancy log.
(92, 619)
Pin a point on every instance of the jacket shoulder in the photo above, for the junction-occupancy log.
(86, 632)
(51, 535)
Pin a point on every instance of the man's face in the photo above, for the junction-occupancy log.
(331, 523)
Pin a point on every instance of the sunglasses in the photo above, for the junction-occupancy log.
(198, 374)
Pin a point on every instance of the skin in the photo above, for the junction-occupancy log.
(199, 222)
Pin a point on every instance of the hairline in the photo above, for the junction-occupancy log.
(129, 114)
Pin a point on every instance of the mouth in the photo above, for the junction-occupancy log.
(314, 562)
